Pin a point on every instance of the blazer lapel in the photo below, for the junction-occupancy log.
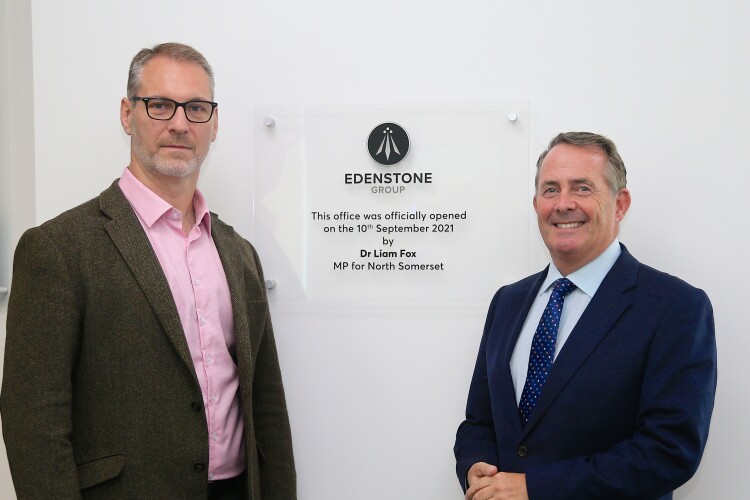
(234, 269)
(131, 241)
(597, 320)
(231, 260)
(520, 301)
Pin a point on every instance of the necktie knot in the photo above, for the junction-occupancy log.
(563, 287)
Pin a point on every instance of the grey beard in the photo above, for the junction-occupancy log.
(168, 167)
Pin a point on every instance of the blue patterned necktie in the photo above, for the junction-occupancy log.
(543, 348)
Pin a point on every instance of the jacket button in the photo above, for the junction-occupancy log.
(199, 467)
(522, 451)
(196, 406)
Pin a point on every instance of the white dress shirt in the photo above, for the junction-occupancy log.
(587, 280)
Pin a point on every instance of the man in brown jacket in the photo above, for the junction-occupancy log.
(140, 361)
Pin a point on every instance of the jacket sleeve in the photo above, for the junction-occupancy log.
(475, 438)
(273, 434)
(43, 328)
(675, 408)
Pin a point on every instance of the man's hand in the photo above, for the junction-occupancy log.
(485, 482)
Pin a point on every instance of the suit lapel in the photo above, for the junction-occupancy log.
(521, 301)
(607, 305)
(131, 241)
(234, 269)
(231, 261)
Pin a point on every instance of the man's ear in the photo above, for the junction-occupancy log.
(126, 111)
(622, 204)
(216, 124)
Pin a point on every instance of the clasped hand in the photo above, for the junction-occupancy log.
(486, 482)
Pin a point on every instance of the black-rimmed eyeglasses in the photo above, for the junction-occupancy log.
(160, 108)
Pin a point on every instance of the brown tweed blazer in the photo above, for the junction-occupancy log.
(99, 397)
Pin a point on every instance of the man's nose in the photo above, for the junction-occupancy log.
(179, 122)
(565, 202)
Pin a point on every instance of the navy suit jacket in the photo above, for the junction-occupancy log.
(626, 408)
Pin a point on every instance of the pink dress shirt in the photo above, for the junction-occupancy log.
(199, 286)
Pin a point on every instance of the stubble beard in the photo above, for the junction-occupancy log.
(172, 167)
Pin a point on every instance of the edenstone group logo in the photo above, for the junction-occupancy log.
(388, 143)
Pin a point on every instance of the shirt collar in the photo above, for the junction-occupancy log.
(150, 207)
(589, 277)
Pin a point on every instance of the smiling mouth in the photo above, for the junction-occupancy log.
(568, 225)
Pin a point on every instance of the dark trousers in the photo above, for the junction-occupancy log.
(234, 488)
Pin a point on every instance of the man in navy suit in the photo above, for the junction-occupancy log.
(624, 409)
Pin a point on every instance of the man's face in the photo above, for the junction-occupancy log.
(175, 147)
(577, 212)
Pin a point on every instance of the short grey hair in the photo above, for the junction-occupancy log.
(615, 173)
(175, 51)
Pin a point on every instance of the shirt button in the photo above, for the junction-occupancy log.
(208, 360)
(210, 476)
(197, 281)
(522, 451)
(214, 398)
(196, 406)
(175, 214)
(199, 467)
(203, 320)
(214, 438)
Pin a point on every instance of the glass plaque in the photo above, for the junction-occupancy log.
(401, 206)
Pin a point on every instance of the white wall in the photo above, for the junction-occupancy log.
(375, 401)
(16, 154)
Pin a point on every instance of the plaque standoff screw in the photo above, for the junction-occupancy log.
(269, 122)
(512, 117)
(270, 284)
